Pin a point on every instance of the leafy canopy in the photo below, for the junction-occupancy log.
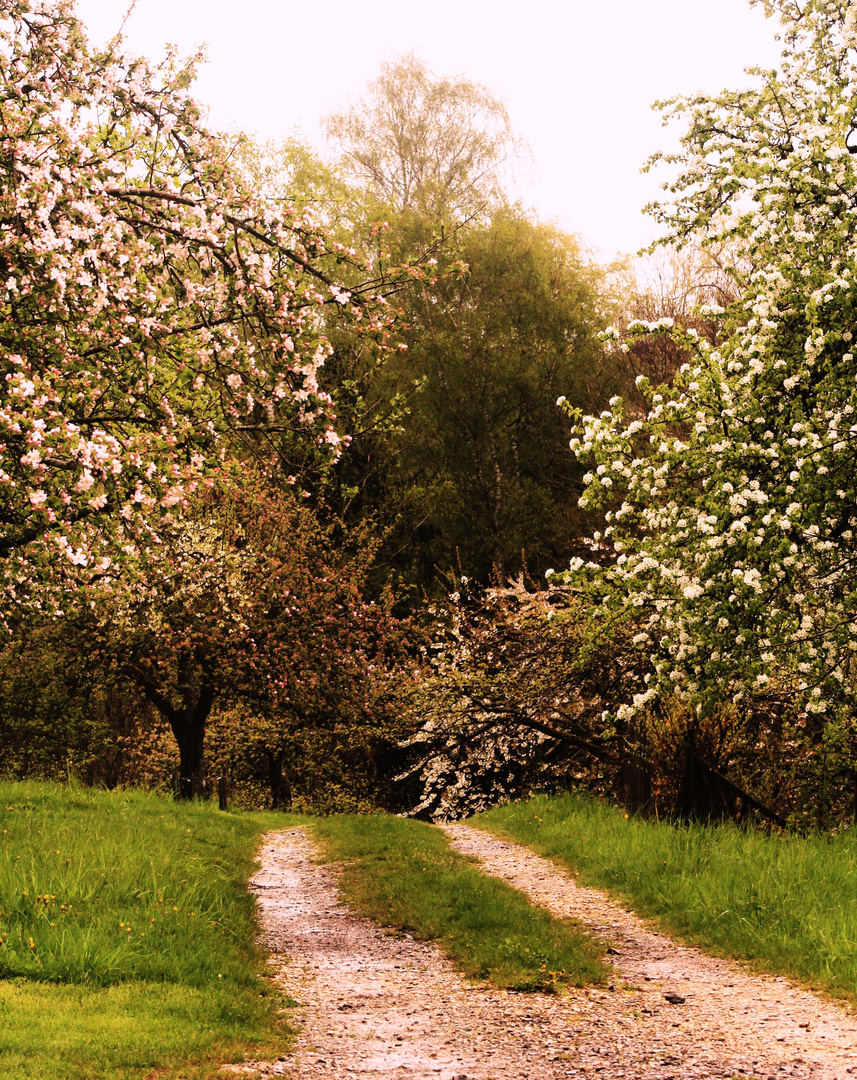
(152, 311)
(731, 504)
(425, 144)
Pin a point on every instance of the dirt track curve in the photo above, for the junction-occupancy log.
(381, 1005)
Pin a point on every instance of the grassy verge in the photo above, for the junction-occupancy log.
(404, 874)
(786, 904)
(126, 937)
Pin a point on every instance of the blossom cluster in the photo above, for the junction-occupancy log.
(150, 306)
(731, 504)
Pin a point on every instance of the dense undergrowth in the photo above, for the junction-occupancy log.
(127, 936)
(786, 903)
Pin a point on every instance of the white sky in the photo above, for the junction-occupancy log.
(577, 76)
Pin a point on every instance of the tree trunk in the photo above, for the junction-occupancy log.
(278, 782)
(189, 731)
(496, 501)
(197, 691)
(634, 781)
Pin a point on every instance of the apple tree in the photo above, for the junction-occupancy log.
(153, 312)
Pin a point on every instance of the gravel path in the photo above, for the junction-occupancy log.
(376, 1004)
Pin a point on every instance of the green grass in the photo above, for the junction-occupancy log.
(126, 937)
(403, 874)
(786, 904)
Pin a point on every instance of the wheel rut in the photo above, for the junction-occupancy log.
(378, 1004)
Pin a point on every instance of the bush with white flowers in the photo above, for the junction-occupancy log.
(731, 505)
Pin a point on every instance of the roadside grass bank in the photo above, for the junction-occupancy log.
(786, 904)
(126, 936)
(403, 873)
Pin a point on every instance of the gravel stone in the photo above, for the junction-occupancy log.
(378, 1004)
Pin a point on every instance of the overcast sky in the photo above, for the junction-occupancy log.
(577, 76)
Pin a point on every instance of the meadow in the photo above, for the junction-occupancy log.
(127, 937)
(127, 931)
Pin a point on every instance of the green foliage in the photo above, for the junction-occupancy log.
(404, 874)
(485, 452)
(784, 903)
(327, 764)
(290, 172)
(731, 532)
(119, 954)
(50, 719)
(457, 451)
(478, 469)
(425, 144)
(61, 714)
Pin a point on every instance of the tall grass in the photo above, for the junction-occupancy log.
(785, 903)
(403, 873)
(127, 935)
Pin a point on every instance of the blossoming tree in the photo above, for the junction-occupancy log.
(149, 305)
(731, 504)
(253, 605)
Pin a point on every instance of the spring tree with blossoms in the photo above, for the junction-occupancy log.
(253, 606)
(153, 312)
(252, 644)
(162, 327)
(731, 503)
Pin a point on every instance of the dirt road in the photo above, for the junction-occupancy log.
(376, 1004)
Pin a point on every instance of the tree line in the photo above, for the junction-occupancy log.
(286, 456)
